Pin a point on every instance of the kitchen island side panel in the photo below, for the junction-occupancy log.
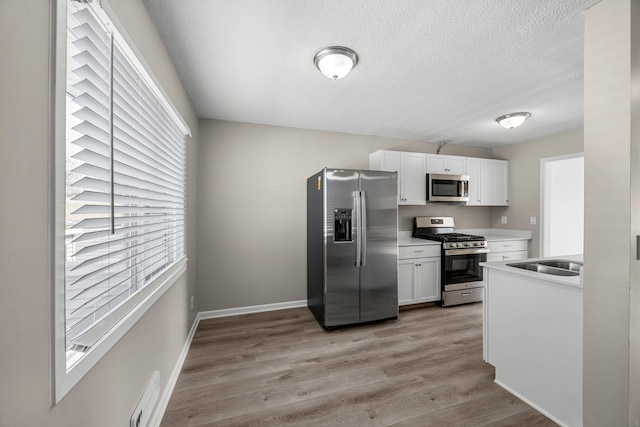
(533, 337)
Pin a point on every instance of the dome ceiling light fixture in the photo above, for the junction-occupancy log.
(335, 62)
(512, 120)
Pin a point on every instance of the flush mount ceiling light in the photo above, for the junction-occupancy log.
(513, 120)
(335, 62)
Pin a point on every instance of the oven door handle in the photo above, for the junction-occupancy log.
(466, 251)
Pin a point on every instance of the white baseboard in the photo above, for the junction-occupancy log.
(161, 406)
(251, 309)
(530, 403)
(158, 413)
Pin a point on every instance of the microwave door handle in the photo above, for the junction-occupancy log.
(460, 188)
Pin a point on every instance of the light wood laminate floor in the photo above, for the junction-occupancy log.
(282, 369)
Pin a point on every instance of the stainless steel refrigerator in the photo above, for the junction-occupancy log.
(352, 246)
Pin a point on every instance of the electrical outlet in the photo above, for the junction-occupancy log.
(142, 414)
(503, 220)
(192, 302)
(533, 220)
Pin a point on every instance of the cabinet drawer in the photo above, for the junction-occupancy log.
(508, 246)
(462, 296)
(507, 256)
(421, 251)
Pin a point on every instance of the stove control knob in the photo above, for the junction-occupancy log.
(467, 244)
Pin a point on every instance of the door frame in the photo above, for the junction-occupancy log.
(543, 164)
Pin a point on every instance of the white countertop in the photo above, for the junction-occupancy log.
(497, 234)
(574, 281)
(491, 234)
(405, 239)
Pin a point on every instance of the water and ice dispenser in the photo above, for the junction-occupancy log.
(342, 225)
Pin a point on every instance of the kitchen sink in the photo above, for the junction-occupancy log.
(553, 267)
(566, 265)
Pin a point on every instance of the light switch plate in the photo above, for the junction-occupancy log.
(533, 220)
(503, 220)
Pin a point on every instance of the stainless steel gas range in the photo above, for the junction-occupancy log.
(461, 257)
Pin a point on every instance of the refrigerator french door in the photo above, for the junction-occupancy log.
(352, 220)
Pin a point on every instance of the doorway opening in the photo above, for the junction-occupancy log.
(562, 205)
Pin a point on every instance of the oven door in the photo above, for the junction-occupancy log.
(462, 269)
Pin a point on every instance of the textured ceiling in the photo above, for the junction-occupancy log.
(428, 70)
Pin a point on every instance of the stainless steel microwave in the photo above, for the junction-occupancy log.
(447, 188)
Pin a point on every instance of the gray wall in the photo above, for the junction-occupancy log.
(612, 202)
(252, 205)
(524, 180)
(107, 395)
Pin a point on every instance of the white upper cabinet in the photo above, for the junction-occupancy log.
(411, 168)
(494, 180)
(488, 178)
(450, 165)
(488, 182)
(473, 171)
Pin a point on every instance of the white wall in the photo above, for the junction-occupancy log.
(612, 201)
(109, 393)
(524, 180)
(252, 205)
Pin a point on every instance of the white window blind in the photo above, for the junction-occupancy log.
(125, 173)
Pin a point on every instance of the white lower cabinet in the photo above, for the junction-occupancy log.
(418, 274)
(510, 250)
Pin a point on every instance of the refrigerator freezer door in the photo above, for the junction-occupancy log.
(378, 275)
(342, 293)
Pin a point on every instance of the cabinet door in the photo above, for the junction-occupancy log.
(507, 256)
(406, 282)
(495, 182)
(413, 179)
(493, 257)
(389, 161)
(428, 279)
(450, 165)
(514, 256)
(456, 165)
(436, 163)
(473, 171)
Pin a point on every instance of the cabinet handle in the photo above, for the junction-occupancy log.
(418, 251)
(466, 294)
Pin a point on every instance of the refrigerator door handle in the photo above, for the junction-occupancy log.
(363, 229)
(358, 210)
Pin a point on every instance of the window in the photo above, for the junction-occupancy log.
(120, 190)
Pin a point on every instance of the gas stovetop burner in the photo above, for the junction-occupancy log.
(446, 237)
(440, 229)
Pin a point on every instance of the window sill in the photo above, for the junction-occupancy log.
(66, 378)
